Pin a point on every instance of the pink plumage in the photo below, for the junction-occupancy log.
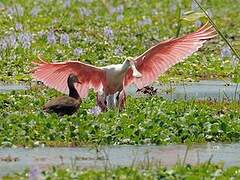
(164, 55)
(55, 75)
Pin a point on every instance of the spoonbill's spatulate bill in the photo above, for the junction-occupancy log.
(113, 79)
(65, 104)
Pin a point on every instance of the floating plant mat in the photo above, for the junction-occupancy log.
(17, 159)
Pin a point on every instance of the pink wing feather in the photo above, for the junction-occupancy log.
(164, 55)
(55, 75)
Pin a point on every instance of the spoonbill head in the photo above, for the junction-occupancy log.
(72, 79)
(112, 79)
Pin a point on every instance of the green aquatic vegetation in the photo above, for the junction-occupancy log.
(144, 120)
(200, 171)
(106, 32)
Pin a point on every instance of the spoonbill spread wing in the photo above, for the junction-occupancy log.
(55, 75)
(164, 55)
(114, 78)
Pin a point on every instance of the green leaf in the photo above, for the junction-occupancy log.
(192, 16)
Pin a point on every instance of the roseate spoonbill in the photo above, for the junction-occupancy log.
(113, 79)
(65, 104)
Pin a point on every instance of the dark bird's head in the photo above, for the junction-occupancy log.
(72, 78)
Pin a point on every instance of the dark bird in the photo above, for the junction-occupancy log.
(65, 104)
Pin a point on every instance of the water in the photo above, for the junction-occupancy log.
(203, 90)
(114, 156)
(12, 87)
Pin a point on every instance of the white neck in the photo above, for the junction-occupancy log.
(125, 66)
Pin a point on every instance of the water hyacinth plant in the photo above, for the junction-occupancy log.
(3, 44)
(67, 3)
(41, 34)
(51, 38)
(145, 21)
(108, 33)
(95, 111)
(11, 40)
(234, 61)
(25, 40)
(77, 35)
(118, 51)
(198, 23)
(87, 1)
(84, 11)
(16, 10)
(119, 9)
(77, 52)
(209, 12)
(172, 6)
(194, 5)
(64, 39)
(226, 52)
(34, 173)
(34, 12)
(119, 17)
(18, 27)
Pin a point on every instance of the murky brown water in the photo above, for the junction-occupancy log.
(42, 158)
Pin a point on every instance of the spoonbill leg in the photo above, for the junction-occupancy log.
(112, 101)
(101, 101)
(122, 100)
